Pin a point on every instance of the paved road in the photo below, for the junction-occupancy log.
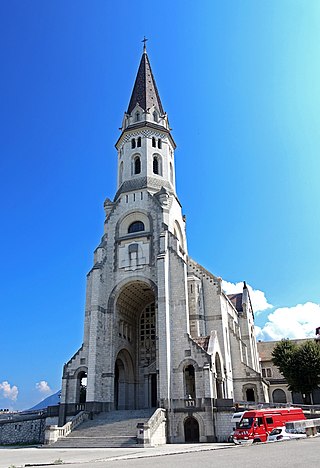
(293, 454)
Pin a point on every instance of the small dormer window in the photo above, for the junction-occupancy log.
(154, 142)
(136, 226)
(137, 116)
(159, 143)
(139, 142)
(133, 143)
(137, 165)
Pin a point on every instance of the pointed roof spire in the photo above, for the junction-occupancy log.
(145, 90)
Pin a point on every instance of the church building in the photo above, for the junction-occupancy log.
(159, 331)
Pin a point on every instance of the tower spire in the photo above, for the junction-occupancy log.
(145, 92)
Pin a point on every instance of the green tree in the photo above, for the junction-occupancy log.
(300, 365)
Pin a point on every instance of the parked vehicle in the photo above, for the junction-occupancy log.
(236, 418)
(281, 433)
(256, 425)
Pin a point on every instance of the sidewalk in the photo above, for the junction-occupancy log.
(42, 456)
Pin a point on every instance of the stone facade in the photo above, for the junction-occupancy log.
(159, 331)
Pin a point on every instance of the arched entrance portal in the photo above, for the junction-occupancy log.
(124, 381)
(135, 381)
(191, 430)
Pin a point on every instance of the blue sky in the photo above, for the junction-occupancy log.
(240, 83)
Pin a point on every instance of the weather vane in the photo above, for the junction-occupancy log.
(144, 43)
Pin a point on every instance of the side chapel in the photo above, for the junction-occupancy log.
(159, 331)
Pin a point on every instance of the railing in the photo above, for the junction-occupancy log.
(53, 433)
(190, 402)
(310, 426)
(252, 404)
(156, 419)
(153, 432)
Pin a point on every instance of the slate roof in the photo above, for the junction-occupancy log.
(202, 341)
(265, 348)
(145, 90)
(236, 300)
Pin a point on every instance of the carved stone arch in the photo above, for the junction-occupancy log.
(186, 362)
(198, 418)
(132, 318)
(115, 293)
(131, 216)
(78, 370)
(279, 396)
(249, 392)
(188, 368)
(124, 382)
(80, 389)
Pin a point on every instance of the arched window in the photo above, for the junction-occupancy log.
(171, 173)
(155, 165)
(136, 226)
(139, 142)
(155, 116)
(189, 382)
(153, 142)
(279, 396)
(121, 173)
(133, 143)
(137, 116)
(137, 165)
(147, 345)
(82, 387)
(159, 143)
(219, 385)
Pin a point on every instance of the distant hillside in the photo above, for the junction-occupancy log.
(49, 401)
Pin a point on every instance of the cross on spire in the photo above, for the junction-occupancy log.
(144, 43)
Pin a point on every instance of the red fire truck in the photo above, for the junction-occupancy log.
(256, 425)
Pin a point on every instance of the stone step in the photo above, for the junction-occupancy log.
(96, 442)
(109, 429)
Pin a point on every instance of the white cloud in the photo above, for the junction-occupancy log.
(9, 392)
(299, 321)
(258, 299)
(43, 387)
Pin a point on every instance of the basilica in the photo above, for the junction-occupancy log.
(159, 331)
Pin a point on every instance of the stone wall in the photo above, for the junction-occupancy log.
(28, 430)
(223, 424)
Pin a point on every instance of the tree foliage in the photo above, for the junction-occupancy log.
(299, 364)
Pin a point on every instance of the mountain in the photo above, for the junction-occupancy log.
(49, 401)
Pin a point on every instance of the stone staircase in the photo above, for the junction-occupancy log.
(110, 429)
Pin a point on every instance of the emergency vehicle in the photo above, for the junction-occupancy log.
(256, 425)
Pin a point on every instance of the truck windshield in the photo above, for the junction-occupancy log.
(245, 423)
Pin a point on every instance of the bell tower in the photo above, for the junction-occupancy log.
(159, 332)
(145, 146)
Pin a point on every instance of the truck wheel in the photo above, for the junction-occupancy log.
(256, 440)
